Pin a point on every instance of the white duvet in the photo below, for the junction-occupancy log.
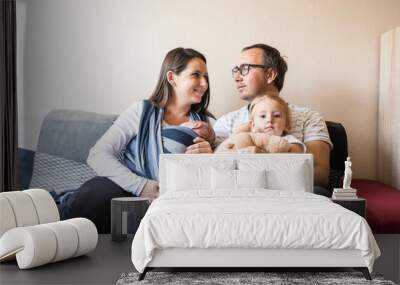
(250, 219)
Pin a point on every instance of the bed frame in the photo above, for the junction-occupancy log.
(242, 259)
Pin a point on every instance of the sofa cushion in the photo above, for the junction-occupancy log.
(383, 205)
(58, 174)
(71, 133)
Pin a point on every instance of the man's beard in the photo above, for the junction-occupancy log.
(247, 97)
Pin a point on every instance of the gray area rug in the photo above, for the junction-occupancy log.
(273, 278)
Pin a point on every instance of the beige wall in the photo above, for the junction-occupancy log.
(101, 55)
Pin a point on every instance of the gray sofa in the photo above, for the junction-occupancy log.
(59, 162)
(66, 136)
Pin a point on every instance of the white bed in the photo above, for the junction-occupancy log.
(247, 211)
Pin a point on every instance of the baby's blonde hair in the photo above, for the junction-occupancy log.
(277, 99)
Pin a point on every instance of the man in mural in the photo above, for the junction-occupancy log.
(261, 69)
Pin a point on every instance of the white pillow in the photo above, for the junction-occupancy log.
(223, 179)
(183, 177)
(283, 172)
(293, 180)
(227, 179)
(181, 172)
(251, 178)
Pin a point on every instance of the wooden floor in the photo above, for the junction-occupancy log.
(102, 266)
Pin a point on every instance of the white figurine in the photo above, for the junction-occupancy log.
(348, 173)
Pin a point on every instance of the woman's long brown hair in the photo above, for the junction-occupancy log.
(176, 61)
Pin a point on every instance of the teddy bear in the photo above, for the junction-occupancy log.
(245, 141)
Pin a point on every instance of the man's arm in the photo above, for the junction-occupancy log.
(320, 151)
(316, 138)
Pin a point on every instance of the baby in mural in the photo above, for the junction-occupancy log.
(266, 131)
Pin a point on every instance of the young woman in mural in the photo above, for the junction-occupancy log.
(126, 157)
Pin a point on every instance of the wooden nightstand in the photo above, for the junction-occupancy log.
(120, 207)
(356, 205)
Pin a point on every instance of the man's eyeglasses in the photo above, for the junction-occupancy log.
(244, 69)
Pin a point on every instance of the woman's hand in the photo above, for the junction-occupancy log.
(202, 129)
(151, 190)
(200, 146)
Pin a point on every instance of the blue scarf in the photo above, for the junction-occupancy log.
(143, 151)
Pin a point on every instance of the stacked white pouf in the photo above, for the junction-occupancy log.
(32, 233)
